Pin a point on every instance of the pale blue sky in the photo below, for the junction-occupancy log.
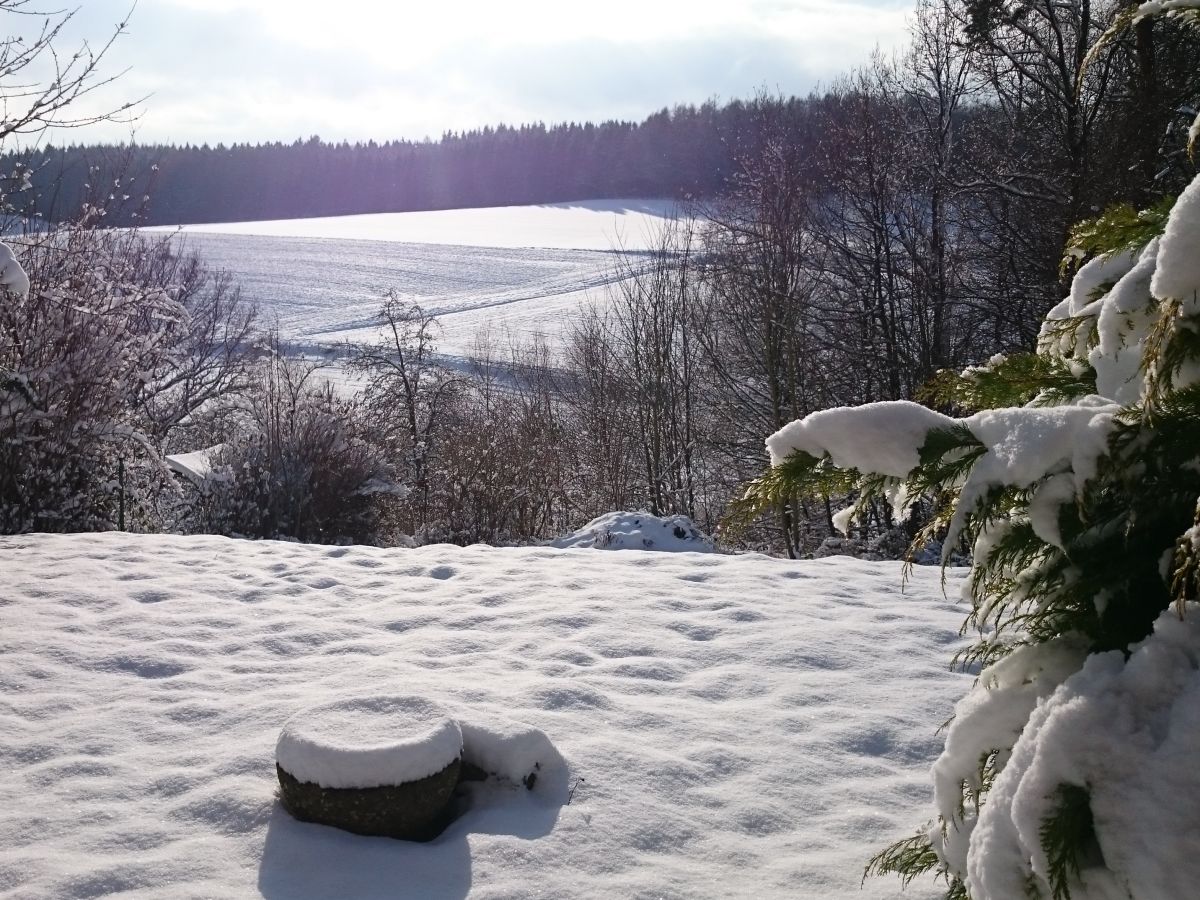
(237, 70)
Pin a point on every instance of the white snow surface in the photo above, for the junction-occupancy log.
(638, 531)
(581, 225)
(365, 742)
(731, 726)
(518, 272)
(324, 292)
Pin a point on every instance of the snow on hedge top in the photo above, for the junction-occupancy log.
(582, 225)
(884, 437)
(368, 742)
(638, 531)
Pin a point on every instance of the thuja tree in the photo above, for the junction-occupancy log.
(1068, 769)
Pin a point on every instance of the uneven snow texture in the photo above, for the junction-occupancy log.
(735, 726)
(1128, 732)
(365, 742)
(638, 531)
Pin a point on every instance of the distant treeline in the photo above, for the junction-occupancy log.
(687, 151)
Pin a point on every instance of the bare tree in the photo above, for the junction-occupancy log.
(298, 463)
(407, 394)
(759, 272)
(637, 359)
(41, 82)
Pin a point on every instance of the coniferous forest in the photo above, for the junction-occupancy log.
(684, 152)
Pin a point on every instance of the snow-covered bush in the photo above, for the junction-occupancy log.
(295, 465)
(109, 343)
(1066, 771)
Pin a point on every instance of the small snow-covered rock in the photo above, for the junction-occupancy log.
(638, 531)
(512, 752)
(368, 742)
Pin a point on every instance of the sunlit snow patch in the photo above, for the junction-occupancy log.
(581, 225)
(196, 466)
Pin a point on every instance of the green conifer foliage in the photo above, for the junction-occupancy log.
(1072, 474)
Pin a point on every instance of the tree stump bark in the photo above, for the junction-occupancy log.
(383, 766)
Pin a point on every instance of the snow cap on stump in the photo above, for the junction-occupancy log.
(368, 742)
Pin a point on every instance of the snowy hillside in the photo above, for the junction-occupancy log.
(733, 725)
(523, 270)
(583, 225)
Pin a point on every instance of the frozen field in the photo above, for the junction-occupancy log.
(520, 271)
(732, 726)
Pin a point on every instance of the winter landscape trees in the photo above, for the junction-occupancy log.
(909, 220)
(905, 236)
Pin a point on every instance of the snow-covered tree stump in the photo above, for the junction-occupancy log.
(383, 766)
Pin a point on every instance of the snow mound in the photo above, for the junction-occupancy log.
(512, 752)
(368, 742)
(638, 531)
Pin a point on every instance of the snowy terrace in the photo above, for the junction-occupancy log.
(730, 725)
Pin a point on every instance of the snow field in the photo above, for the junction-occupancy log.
(521, 272)
(326, 292)
(733, 725)
(579, 225)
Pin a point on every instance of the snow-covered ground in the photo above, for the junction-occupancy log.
(733, 726)
(522, 270)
